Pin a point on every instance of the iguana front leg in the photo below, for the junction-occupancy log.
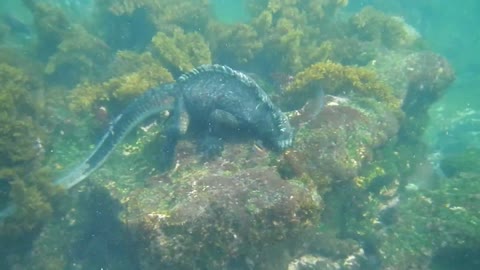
(175, 127)
(219, 122)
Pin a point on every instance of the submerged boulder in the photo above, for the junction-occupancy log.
(244, 220)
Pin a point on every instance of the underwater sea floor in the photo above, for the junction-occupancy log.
(382, 173)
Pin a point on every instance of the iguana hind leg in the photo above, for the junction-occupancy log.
(175, 127)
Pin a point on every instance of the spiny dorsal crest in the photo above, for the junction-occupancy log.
(242, 77)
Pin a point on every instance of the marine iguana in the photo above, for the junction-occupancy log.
(209, 96)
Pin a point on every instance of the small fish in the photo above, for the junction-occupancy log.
(310, 110)
(314, 106)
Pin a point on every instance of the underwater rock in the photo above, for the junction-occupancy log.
(333, 145)
(248, 219)
(419, 79)
(428, 75)
(234, 212)
(430, 222)
(391, 31)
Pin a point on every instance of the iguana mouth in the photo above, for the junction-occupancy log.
(284, 144)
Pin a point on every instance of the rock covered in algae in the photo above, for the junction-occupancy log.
(338, 79)
(373, 25)
(223, 219)
(429, 75)
(236, 210)
(431, 227)
(422, 76)
(419, 80)
(407, 225)
(333, 144)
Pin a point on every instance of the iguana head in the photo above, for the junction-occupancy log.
(274, 130)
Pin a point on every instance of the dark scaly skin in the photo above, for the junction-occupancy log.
(207, 99)
(215, 97)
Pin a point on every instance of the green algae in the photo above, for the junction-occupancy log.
(247, 202)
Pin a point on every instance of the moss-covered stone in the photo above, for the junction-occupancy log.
(333, 145)
(426, 223)
(337, 79)
(373, 25)
(229, 219)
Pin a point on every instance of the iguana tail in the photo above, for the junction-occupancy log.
(153, 101)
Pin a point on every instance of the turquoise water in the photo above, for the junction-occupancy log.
(383, 97)
(446, 30)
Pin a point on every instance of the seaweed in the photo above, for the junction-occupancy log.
(139, 73)
(181, 51)
(372, 25)
(337, 79)
(22, 151)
